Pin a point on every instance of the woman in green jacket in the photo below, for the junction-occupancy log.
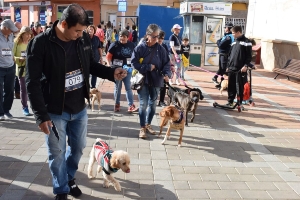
(19, 52)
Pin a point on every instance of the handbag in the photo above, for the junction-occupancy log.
(137, 81)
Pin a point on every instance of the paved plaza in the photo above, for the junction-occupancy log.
(254, 154)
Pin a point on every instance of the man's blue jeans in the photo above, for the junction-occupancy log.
(147, 97)
(63, 162)
(7, 83)
(118, 88)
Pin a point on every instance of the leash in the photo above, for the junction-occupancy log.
(113, 117)
(198, 67)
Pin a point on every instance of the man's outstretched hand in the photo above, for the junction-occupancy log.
(119, 74)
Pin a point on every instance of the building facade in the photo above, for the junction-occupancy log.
(27, 12)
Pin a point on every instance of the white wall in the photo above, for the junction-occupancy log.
(274, 19)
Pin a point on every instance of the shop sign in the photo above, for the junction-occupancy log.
(206, 8)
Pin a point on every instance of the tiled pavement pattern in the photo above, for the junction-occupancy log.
(225, 154)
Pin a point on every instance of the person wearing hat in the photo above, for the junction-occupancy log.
(19, 52)
(37, 28)
(175, 51)
(224, 45)
(7, 68)
(119, 55)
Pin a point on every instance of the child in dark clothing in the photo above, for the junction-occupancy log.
(185, 50)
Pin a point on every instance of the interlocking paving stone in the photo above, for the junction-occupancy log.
(223, 194)
(255, 194)
(191, 194)
(283, 194)
(233, 185)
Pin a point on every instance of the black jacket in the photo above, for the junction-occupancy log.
(225, 42)
(240, 54)
(46, 70)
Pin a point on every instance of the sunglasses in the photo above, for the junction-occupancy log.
(153, 37)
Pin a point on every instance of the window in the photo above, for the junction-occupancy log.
(91, 16)
(60, 9)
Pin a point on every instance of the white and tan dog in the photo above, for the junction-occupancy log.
(109, 162)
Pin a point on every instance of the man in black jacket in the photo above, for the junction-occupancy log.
(224, 45)
(238, 62)
(59, 62)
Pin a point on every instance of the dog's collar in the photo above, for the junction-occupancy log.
(180, 118)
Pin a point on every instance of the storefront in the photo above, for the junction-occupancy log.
(203, 25)
(49, 11)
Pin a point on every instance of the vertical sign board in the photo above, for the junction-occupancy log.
(18, 15)
(43, 17)
(122, 6)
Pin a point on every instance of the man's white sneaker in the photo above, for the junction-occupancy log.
(2, 118)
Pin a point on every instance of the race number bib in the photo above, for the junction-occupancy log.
(74, 80)
(6, 52)
(23, 54)
(118, 62)
(128, 61)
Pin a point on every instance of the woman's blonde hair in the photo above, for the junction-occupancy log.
(24, 29)
(93, 27)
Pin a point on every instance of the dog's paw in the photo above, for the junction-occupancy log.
(163, 142)
(91, 176)
(179, 145)
(93, 110)
(169, 137)
(106, 184)
(117, 187)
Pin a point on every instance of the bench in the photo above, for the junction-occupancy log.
(290, 69)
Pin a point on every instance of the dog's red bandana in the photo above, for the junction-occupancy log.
(103, 154)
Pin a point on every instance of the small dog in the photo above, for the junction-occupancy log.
(95, 94)
(175, 117)
(109, 162)
(223, 85)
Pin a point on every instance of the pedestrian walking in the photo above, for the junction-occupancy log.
(7, 68)
(64, 59)
(119, 55)
(224, 45)
(19, 52)
(151, 60)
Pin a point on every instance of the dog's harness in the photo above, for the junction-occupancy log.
(103, 154)
(180, 117)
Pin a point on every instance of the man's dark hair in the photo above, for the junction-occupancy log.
(133, 27)
(237, 29)
(161, 34)
(127, 27)
(99, 26)
(74, 14)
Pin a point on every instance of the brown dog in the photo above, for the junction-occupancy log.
(175, 117)
(95, 94)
